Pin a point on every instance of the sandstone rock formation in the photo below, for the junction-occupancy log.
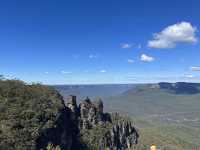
(88, 114)
(71, 104)
(91, 114)
(122, 135)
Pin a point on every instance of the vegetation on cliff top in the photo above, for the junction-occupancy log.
(25, 112)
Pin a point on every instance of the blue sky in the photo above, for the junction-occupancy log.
(106, 41)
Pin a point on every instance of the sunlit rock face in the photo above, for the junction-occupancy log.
(88, 114)
(91, 113)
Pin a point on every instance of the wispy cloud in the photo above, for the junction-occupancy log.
(195, 68)
(103, 71)
(92, 56)
(146, 58)
(65, 72)
(126, 45)
(130, 45)
(46, 72)
(189, 76)
(10, 76)
(130, 61)
(169, 37)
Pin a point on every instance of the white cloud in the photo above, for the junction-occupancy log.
(125, 45)
(46, 72)
(169, 37)
(130, 61)
(146, 58)
(195, 68)
(66, 72)
(103, 71)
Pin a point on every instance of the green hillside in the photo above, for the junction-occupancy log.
(27, 112)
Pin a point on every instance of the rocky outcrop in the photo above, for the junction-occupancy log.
(72, 106)
(91, 114)
(120, 137)
(88, 114)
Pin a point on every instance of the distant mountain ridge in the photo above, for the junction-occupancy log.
(173, 88)
(181, 87)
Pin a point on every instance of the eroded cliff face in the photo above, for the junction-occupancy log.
(91, 114)
(120, 135)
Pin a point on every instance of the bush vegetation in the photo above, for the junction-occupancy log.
(26, 110)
